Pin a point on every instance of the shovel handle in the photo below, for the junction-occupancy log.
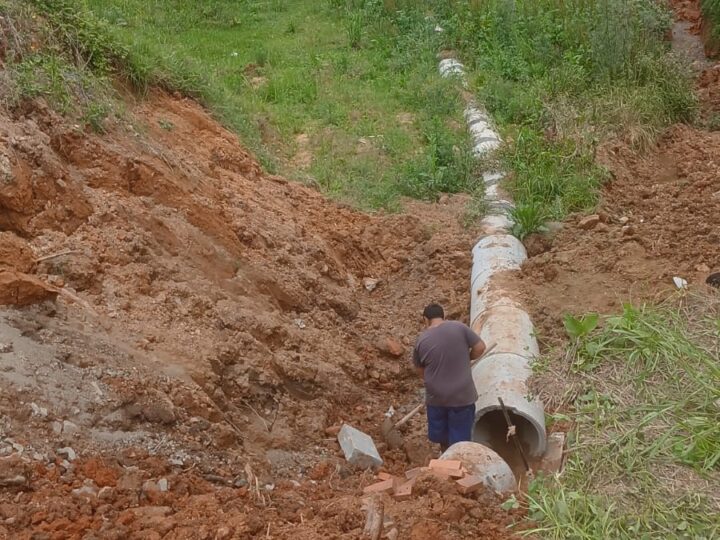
(418, 408)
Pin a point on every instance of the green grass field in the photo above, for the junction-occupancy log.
(645, 447)
(339, 97)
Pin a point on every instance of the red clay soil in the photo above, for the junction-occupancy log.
(690, 11)
(212, 318)
(659, 218)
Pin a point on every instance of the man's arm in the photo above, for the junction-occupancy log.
(418, 364)
(476, 345)
(477, 350)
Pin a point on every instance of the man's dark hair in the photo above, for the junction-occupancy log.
(434, 311)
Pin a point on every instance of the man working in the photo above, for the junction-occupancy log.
(442, 356)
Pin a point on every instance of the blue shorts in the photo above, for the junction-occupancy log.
(448, 425)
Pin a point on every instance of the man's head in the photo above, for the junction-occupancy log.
(433, 312)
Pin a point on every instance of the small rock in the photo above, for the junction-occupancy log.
(359, 448)
(371, 284)
(42, 412)
(589, 222)
(392, 534)
(57, 428)
(68, 452)
(88, 490)
(623, 220)
(176, 462)
(628, 230)
(444, 199)
(19, 448)
(333, 430)
(602, 227)
(12, 481)
(300, 323)
(222, 533)
(163, 485)
(240, 482)
(68, 428)
(150, 487)
(65, 464)
(6, 348)
(680, 283)
(702, 268)
(106, 493)
(392, 347)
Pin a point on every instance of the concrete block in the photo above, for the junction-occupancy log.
(470, 484)
(359, 448)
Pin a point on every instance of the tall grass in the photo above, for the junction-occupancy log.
(711, 12)
(645, 452)
(561, 77)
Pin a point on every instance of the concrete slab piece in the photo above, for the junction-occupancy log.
(359, 448)
(553, 459)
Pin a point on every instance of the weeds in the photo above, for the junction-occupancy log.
(711, 12)
(647, 451)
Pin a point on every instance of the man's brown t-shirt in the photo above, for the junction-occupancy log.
(444, 352)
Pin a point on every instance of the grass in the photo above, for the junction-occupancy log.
(711, 12)
(645, 449)
(359, 84)
(561, 77)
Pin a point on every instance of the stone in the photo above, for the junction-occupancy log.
(19, 289)
(6, 348)
(222, 533)
(150, 487)
(57, 428)
(69, 428)
(15, 480)
(554, 456)
(106, 493)
(163, 484)
(42, 412)
(68, 452)
(391, 346)
(371, 284)
(89, 490)
(359, 448)
(589, 222)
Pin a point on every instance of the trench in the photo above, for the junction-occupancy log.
(497, 315)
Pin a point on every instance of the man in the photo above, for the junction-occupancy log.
(442, 356)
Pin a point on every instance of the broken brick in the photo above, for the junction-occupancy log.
(448, 464)
(414, 473)
(404, 491)
(381, 487)
(469, 484)
(384, 476)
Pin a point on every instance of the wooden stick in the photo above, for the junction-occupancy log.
(375, 518)
(511, 426)
(48, 257)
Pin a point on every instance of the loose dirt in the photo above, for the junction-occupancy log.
(659, 218)
(215, 325)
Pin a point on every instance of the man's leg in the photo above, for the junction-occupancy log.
(460, 423)
(438, 425)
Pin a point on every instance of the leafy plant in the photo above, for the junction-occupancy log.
(579, 328)
(527, 219)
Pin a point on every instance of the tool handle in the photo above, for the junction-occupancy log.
(417, 409)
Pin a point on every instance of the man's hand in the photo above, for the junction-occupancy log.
(478, 350)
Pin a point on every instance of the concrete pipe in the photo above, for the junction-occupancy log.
(479, 460)
(506, 375)
(493, 254)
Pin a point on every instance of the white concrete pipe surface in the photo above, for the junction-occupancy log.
(479, 460)
(495, 312)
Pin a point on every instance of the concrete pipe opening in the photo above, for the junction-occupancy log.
(491, 430)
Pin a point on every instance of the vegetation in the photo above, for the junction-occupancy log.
(711, 11)
(645, 449)
(562, 76)
(342, 94)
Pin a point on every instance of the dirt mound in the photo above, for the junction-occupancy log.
(659, 218)
(211, 318)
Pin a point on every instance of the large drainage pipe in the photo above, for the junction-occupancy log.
(496, 313)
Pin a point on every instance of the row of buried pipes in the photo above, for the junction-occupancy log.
(497, 315)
